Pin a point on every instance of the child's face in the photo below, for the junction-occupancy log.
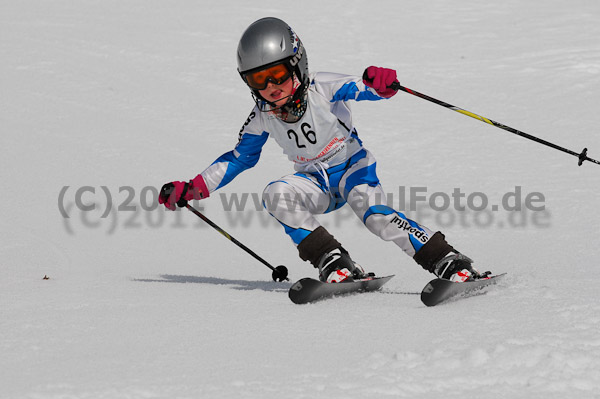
(278, 94)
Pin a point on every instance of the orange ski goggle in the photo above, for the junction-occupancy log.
(259, 80)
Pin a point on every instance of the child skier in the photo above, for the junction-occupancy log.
(309, 117)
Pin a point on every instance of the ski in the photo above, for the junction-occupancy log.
(439, 290)
(308, 290)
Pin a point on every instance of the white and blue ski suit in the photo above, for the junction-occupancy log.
(332, 166)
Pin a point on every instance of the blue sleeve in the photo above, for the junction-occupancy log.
(351, 91)
(245, 155)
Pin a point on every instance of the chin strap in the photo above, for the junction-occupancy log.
(293, 109)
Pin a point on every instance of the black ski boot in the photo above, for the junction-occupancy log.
(456, 267)
(336, 266)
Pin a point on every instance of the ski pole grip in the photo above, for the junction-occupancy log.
(168, 189)
(394, 86)
(366, 77)
(182, 201)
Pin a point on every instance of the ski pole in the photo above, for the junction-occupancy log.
(581, 156)
(279, 273)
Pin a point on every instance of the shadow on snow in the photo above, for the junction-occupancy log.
(243, 285)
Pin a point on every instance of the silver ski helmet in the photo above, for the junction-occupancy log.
(268, 42)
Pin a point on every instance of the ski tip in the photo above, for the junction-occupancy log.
(440, 290)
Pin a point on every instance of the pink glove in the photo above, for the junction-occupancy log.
(380, 79)
(179, 193)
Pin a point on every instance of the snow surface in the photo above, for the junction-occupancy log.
(122, 96)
